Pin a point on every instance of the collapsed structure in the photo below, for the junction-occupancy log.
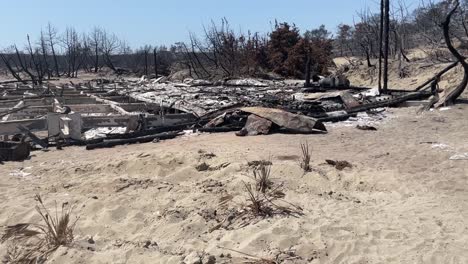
(108, 113)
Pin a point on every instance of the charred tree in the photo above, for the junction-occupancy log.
(24, 66)
(146, 61)
(10, 68)
(386, 44)
(307, 71)
(381, 28)
(155, 55)
(450, 97)
(52, 34)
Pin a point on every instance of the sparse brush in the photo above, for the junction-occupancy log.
(305, 162)
(262, 177)
(34, 242)
(256, 203)
(59, 231)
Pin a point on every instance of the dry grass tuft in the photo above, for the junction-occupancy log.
(257, 204)
(265, 205)
(262, 177)
(305, 162)
(33, 243)
(263, 199)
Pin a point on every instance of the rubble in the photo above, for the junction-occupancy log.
(287, 121)
(14, 151)
(255, 125)
(105, 113)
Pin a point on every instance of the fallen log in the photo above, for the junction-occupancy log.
(144, 139)
(74, 142)
(436, 77)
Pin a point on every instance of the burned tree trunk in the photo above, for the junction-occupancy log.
(437, 76)
(386, 45)
(382, 9)
(45, 56)
(155, 55)
(36, 63)
(51, 35)
(24, 66)
(7, 63)
(450, 96)
(307, 71)
(146, 62)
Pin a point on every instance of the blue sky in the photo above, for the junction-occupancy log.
(168, 21)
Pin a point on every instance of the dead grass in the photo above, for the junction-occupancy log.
(33, 243)
(256, 204)
(305, 158)
(265, 204)
(262, 177)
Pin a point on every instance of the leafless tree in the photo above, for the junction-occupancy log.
(52, 39)
(96, 43)
(450, 97)
(110, 45)
(45, 54)
(8, 61)
(72, 46)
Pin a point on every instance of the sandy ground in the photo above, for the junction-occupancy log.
(403, 201)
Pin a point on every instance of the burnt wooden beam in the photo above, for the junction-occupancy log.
(144, 139)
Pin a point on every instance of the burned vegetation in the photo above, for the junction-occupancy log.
(33, 243)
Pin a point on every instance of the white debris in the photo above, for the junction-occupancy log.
(440, 146)
(246, 82)
(20, 173)
(372, 92)
(101, 132)
(460, 156)
(190, 133)
(142, 79)
(361, 119)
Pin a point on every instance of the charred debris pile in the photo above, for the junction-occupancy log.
(103, 113)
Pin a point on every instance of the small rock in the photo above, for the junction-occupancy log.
(211, 260)
(147, 244)
(202, 167)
